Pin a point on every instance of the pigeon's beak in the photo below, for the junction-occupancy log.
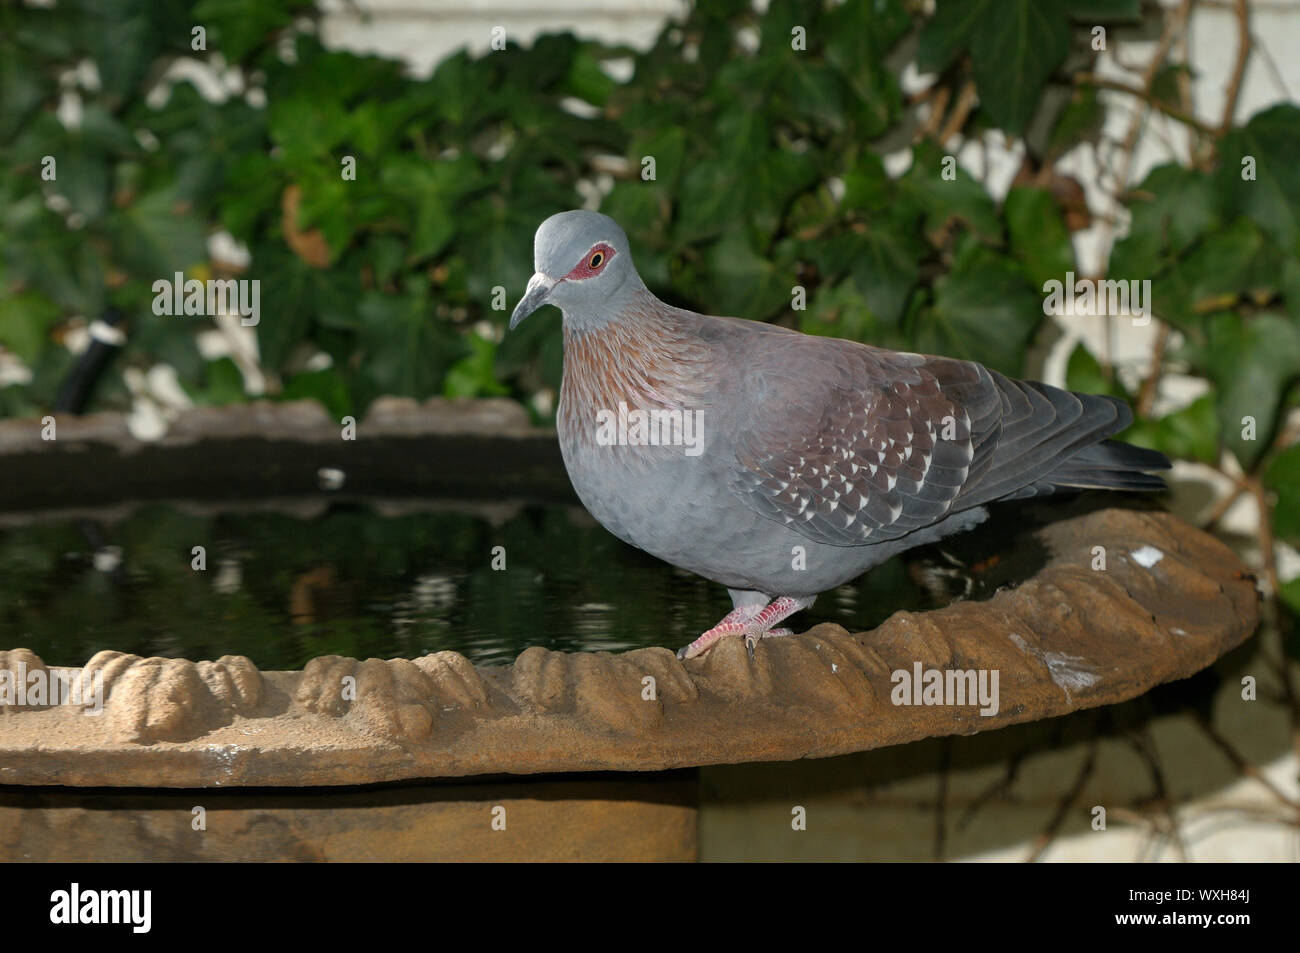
(539, 287)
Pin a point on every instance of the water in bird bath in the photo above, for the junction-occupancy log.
(282, 585)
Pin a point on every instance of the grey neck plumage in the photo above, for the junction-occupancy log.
(624, 303)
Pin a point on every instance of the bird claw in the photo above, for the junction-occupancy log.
(751, 638)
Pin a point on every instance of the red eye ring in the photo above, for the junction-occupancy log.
(593, 262)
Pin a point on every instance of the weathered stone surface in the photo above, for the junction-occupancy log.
(15, 668)
(492, 415)
(645, 818)
(456, 682)
(162, 699)
(280, 448)
(1067, 638)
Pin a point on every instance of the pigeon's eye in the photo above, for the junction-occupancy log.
(596, 260)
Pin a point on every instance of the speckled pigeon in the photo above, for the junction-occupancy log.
(781, 464)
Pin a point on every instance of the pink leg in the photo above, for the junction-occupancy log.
(751, 621)
(733, 623)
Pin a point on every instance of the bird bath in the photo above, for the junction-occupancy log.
(587, 752)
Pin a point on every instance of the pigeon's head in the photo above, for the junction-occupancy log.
(582, 265)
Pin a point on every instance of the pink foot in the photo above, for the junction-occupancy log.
(733, 623)
(753, 622)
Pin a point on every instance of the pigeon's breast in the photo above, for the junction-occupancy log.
(644, 472)
(681, 507)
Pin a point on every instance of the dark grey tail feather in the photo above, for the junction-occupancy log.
(1110, 465)
(1034, 431)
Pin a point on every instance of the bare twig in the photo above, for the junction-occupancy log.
(1288, 435)
(1239, 69)
(1044, 840)
(1212, 518)
(1148, 97)
(938, 106)
(1147, 393)
(1164, 821)
(999, 788)
(960, 112)
(1243, 766)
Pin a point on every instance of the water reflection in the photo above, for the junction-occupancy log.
(352, 579)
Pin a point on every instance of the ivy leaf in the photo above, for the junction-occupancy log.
(20, 90)
(83, 176)
(738, 280)
(1094, 11)
(474, 376)
(223, 383)
(67, 270)
(1251, 362)
(1190, 433)
(1228, 265)
(119, 34)
(948, 32)
(667, 147)
(406, 352)
(308, 128)
(881, 261)
(1012, 54)
(587, 80)
(1289, 593)
(842, 312)
(983, 310)
(157, 236)
(497, 242)
(643, 209)
(25, 323)
(1014, 46)
(1171, 209)
(1039, 238)
(960, 199)
(1283, 478)
(1271, 139)
(326, 386)
(858, 38)
(716, 192)
(1079, 121)
(236, 26)
(1084, 373)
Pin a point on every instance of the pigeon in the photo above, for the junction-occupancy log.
(781, 464)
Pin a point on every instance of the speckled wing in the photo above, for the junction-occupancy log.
(850, 444)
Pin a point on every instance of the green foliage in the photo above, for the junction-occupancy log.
(1283, 477)
(768, 177)
(1014, 46)
(388, 273)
